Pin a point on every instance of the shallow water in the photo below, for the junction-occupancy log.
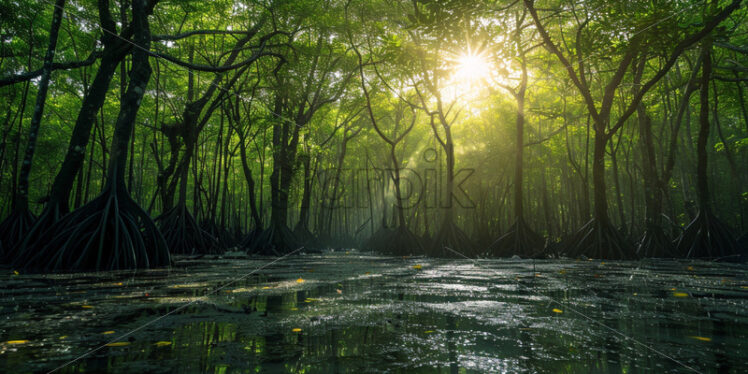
(351, 312)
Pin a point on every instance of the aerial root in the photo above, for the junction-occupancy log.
(109, 233)
(709, 238)
(655, 243)
(451, 242)
(398, 242)
(183, 235)
(224, 238)
(598, 239)
(520, 240)
(13, 230)
(276, 240)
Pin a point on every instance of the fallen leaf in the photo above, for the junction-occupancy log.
(340, 292)
(294, 308)
(702, 338)
(162, 343)
(562, 271)
(86, 307)
(636, 294)
(108, 332)
(428, 331)
(555, 310)
(300, 280)
(690, 268)
(17, 342)
(367, 273)
(417, 267)
(118, 344)
(266, 288)
(118, 284)
(296, 330)
(15, 272)
(63, 337)
(680, 294)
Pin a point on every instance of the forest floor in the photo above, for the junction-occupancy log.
(355, 312)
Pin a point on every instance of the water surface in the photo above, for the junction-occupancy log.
(349, 312)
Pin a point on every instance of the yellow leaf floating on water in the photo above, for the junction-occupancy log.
(428, 331)
(15, 272)
(63, 337)
(162, 344)
(86, 307)
(108, 332)
(296, 330)
(680, 294)
(702, 338)
(690, 268)
(367, 273)
(294, 309)
(417, 267)
(556, 310)
(562, 271)
(266, 288)
(339, 291)
(17, 341)
(300, 280)
(118, 344)
(118, 284)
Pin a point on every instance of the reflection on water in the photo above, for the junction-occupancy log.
(353, 313)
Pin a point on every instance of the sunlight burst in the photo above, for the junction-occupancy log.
(472, 67)
(471, 74)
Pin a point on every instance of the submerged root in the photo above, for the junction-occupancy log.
(598, 239)
(706, 237)
(451, 242)
(183, 235)
(109, 233)
(276, 240)
(520, 240)
(13, 230)
(655, 243)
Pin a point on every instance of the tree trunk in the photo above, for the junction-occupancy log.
(114, 52)
(41, 97)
